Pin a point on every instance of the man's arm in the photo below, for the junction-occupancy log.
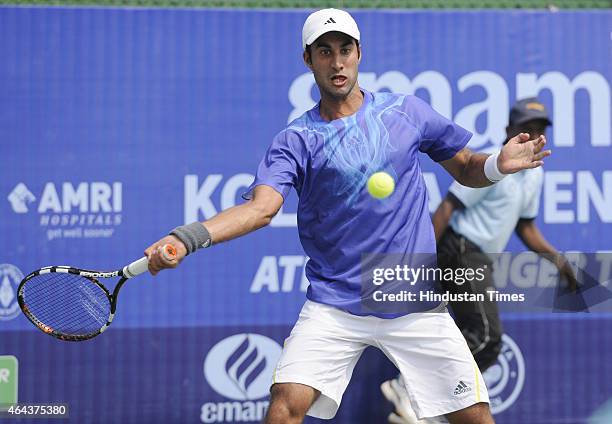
(468, 168)
(226, 225)
(443, 213)
(247, 217)
(531, 236)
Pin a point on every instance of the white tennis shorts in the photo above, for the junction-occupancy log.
(428, 349)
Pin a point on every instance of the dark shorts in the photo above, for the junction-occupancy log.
(478, 321)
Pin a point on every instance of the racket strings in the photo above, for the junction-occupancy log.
(66, 303)
(69, 306)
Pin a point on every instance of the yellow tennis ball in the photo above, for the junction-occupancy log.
(380, 185)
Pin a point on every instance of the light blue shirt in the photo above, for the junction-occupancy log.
(491, 213)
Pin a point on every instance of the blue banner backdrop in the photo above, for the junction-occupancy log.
(118, 124)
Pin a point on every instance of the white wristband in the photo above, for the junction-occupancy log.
(491, 170)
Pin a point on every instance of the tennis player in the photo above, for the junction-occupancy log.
(327, 155)
(472, 226)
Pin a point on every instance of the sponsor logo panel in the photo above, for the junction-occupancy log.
(505, 378)
(10, 277)
(240, 368)
(67, 210)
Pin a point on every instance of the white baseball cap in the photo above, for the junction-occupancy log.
(327, 20)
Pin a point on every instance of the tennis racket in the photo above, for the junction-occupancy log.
(70, 303)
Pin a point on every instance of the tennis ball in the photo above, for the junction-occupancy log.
(380, 185)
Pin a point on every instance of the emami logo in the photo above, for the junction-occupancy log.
(240, 368)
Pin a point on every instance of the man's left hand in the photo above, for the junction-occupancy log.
(521, 152)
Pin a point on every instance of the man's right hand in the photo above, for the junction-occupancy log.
(157, 259)
(566, 273)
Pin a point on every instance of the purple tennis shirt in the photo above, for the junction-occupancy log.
(329, 163)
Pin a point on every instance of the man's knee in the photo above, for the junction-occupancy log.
(289, 402)
(478, 413)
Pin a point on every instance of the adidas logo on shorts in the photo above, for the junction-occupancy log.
(462, 388)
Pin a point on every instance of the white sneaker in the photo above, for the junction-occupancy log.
(393, 418)
(394, 392)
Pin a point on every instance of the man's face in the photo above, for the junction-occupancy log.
(334, 60)
(535, 128)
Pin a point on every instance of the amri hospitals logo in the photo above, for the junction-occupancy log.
(10, 277)
(240, 368)
(506, 377)
(66, 210)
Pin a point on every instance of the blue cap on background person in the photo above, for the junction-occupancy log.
(527, 110)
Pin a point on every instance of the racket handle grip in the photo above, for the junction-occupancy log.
(142, 265)
(136, 267)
